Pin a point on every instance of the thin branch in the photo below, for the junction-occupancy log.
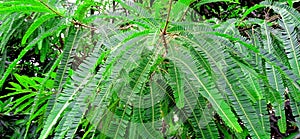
(272, 18)
(83, 25)
(168, 18)
(165, 45)
(164, 32)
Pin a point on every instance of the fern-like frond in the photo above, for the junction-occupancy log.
(291, 45)
(270, 58)
(148, 116)
(64, 99)
(9, 27)
(242, 104)
(177, 85)
(38, 98)
(134, 8)
(179, 9)
(276, 96)
(70, 122)
(228, 76)
(68, 55)
(134, 95)
(203, 83)
(194, 110)
(124, 59)
(289, 14)
(61, 25)
(37, 23)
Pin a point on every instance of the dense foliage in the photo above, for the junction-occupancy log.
(149, 69)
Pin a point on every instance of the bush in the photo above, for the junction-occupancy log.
(147, 70)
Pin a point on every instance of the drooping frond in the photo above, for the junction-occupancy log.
(9, 27)
(276, 94)
(148, 115)
(270, 58)
(206, 88)
(249, 115)
(151, 72)
(289, 14)
(39, 96)
(69, 123)
(37, 23)
(228, 83)
(63, 99)
(177, 85)
(60, 26)
(291, 45)
(195, 110)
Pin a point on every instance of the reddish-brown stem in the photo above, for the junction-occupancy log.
(164, 32)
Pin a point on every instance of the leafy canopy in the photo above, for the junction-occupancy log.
(145, 70)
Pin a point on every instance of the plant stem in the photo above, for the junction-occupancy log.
(164, 32)
(168, 18)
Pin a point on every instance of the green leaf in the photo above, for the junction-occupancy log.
(70, 123)
(251, 9)
(19, 2)
(276, 97)
(228, 76)
(37, 23)
(2, 62)
(9, 28)
(19, 101)
(290, 2)
(64, 100)
(179, 8)
(35, 110)
(82, 10)
(24, 8)
(49, 32)
(207, 90)
(284, 10)
(16, 86)
(177, 86)
(21, 81)
(202, 2)
(291, 45)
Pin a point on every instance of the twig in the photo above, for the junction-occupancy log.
(168, 18)
(164, 32)
(272, 18)
(83, 25)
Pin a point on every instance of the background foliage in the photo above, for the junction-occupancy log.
(149, 69)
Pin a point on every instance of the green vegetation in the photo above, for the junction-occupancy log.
(149, 69)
